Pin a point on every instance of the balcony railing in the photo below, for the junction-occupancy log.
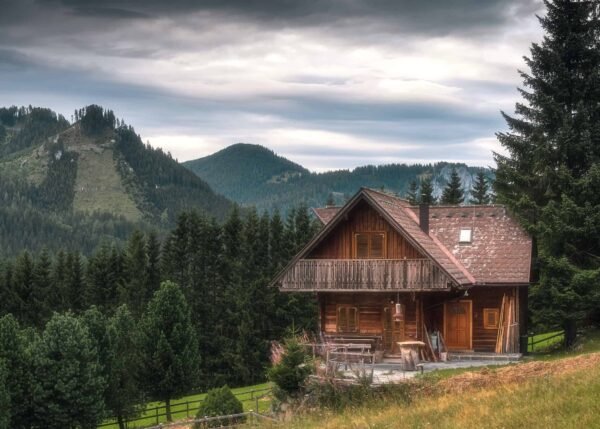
(364, 275)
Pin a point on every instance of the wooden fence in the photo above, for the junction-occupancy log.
(153, 416)
(364, 274)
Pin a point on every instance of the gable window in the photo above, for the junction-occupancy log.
(465, 235)
(347, 318)
(490, 318)
(369, 245)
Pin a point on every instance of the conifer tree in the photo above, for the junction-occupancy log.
(168, 346)
(41, 292)
(426, 194)
(153, 267)
(480, 190)
(69, 384)
(136, 263)
(74, 283)
(17, 362)
(551, 174)
(453, 193)
(5, 411)
(23, 282)
(123, 396)
(411, 194)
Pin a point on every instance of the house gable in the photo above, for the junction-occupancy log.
(362, 218)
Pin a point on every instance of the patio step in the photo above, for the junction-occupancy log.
(495, 357)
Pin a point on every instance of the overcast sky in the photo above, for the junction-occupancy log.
(326, 83)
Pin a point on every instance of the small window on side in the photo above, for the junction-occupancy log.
(347, 318)
(377, 243)
(465, 235)
(362, 246)
(490, 318)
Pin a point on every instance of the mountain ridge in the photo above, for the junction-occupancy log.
(96, 172)
(225, 173)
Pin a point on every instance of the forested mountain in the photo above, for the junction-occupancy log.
(81, 183)
(254, 175)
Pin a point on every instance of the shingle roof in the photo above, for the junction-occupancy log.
(325, 214)
(499, 252)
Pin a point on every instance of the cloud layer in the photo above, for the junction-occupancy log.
(328, 83)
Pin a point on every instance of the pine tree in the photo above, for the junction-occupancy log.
(153, 268)
(168, 346)
(426, 195)
(17, 362)
(411, 194)
(551, 174)
(74, 283)
(5, 405)
(480, 190)
(69, 384)
(23, 282)
(453, 193)
(136, 265)
(42, 287)
(123, 396)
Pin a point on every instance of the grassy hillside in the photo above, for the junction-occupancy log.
(559, 394)
(254, 175)
(92, 181)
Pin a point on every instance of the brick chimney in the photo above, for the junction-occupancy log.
(424, 217)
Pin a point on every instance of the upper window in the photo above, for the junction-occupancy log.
(369, 245)
(465, 235)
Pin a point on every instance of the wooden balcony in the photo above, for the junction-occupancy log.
(364, 275)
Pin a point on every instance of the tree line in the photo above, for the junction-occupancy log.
(210, 323)
(453, 193)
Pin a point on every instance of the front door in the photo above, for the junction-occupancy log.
(457, 325)
(393, 330)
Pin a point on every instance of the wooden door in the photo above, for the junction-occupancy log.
(458, 325)
(393, 330)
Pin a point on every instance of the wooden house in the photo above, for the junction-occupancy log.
(386, 270)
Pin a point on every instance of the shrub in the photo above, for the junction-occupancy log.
(219, 402)
(293, 369)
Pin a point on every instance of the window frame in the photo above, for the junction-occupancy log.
(370, 235)
(346, 329)
(486, 312)
(460, 234)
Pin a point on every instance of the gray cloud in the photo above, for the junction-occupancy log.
(416, 80)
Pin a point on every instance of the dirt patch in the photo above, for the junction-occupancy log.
(516, 373)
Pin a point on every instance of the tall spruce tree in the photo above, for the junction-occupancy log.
(426, 194)
(551, 175)
(69, 385)
(123, 396)
(453, 193)
(168, 346)
(480, 190)
(4, 398)
(412, 193)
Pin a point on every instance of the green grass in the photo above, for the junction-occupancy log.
(180, 410)
(588, 341)
(545, 341)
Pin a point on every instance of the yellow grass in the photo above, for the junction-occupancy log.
(559, 394)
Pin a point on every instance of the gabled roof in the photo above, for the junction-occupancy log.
(499, 252)
(397, 212)
(325, 214)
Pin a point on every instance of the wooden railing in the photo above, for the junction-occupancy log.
(364, 274)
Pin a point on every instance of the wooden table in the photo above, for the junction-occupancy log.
(409, 350)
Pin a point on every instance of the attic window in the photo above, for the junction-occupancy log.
(465, 235)
(369, 245)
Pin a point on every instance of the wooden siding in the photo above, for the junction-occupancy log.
(340, 245)
(485, 297)
(370, 312)
(364, 274)
(370, 307)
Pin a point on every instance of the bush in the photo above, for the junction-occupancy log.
(219, 402)
(292, 371)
